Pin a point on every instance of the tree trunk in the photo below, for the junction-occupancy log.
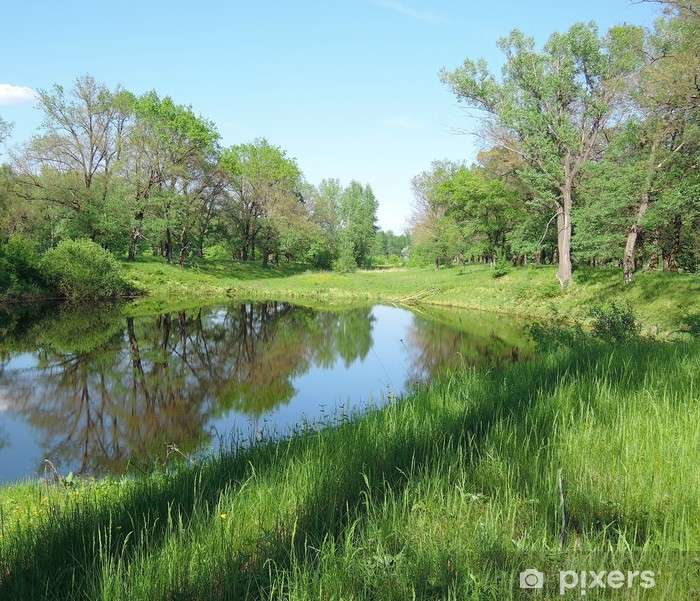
(631, 244)
(564, 237)
(676, 246)
(168, 245)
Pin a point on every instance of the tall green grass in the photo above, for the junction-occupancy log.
(446, 494)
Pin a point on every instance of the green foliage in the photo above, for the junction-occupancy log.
(501, 267)
(217, 252)
(171, 123)
(615, 322)
(357, 213)
(346, 260)
(83, 270)
(465, 214)
(20, 270)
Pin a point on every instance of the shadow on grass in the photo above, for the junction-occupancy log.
(382, 467)
(60, 560)
(243, 270)
(664, 285)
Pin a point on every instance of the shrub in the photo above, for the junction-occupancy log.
(217, 252)
(346, 260)
(614, 322)
(82, 269)
(20, 269)
(501, 267)
(387, 261)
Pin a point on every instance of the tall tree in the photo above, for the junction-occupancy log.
(259, 176)
(551, 107)
(70, 163)
(169, 165)
(357, 210)
(435, 238)
(668, 99)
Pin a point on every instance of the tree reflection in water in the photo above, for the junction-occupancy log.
(105, 392)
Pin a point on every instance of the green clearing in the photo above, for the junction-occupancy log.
(665, 303)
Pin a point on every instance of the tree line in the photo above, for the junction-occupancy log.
(591, 149)
(141, 174)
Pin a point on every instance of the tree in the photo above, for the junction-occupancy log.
(170, 165)
(482, 207)
(259, 176)
(70, 163)
(357, 211)
(435, 237)
(551, 107)
(668, 99)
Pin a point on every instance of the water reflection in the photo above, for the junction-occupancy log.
(97, 392)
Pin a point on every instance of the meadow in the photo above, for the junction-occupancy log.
(666, 304)
(583, 458)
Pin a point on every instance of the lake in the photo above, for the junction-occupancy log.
(96, 392)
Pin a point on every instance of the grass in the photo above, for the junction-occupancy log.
(447, 494)
(583, 459)
(665, 303)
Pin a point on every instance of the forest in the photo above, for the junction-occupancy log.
(141, 175)
(590, 153)
(589, 156)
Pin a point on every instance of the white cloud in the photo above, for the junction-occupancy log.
(407, 11)
(10, 94)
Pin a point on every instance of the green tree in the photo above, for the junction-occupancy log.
(435, 236)
(482, 207)
(70, 163)
(552, 106)
(357, 212)
(261, 182)
(665, 152)
(170, 165)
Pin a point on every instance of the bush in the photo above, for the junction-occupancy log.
(20, 270)
(346, 260)
(82, 269)
(501, 267)
(387, 261)
(614, 322)
(217, 252)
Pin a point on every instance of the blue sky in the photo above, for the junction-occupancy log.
(349, 88)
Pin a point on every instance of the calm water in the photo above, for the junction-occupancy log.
(96, 392)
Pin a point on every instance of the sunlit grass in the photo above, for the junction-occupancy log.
(448, 493)
(665, 303)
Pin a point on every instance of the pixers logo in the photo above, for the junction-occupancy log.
(615, 579)
(584, 581)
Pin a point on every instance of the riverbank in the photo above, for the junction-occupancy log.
(666, 304)
(449, 493)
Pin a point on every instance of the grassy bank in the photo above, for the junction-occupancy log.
(665, 303)
(447, 494)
